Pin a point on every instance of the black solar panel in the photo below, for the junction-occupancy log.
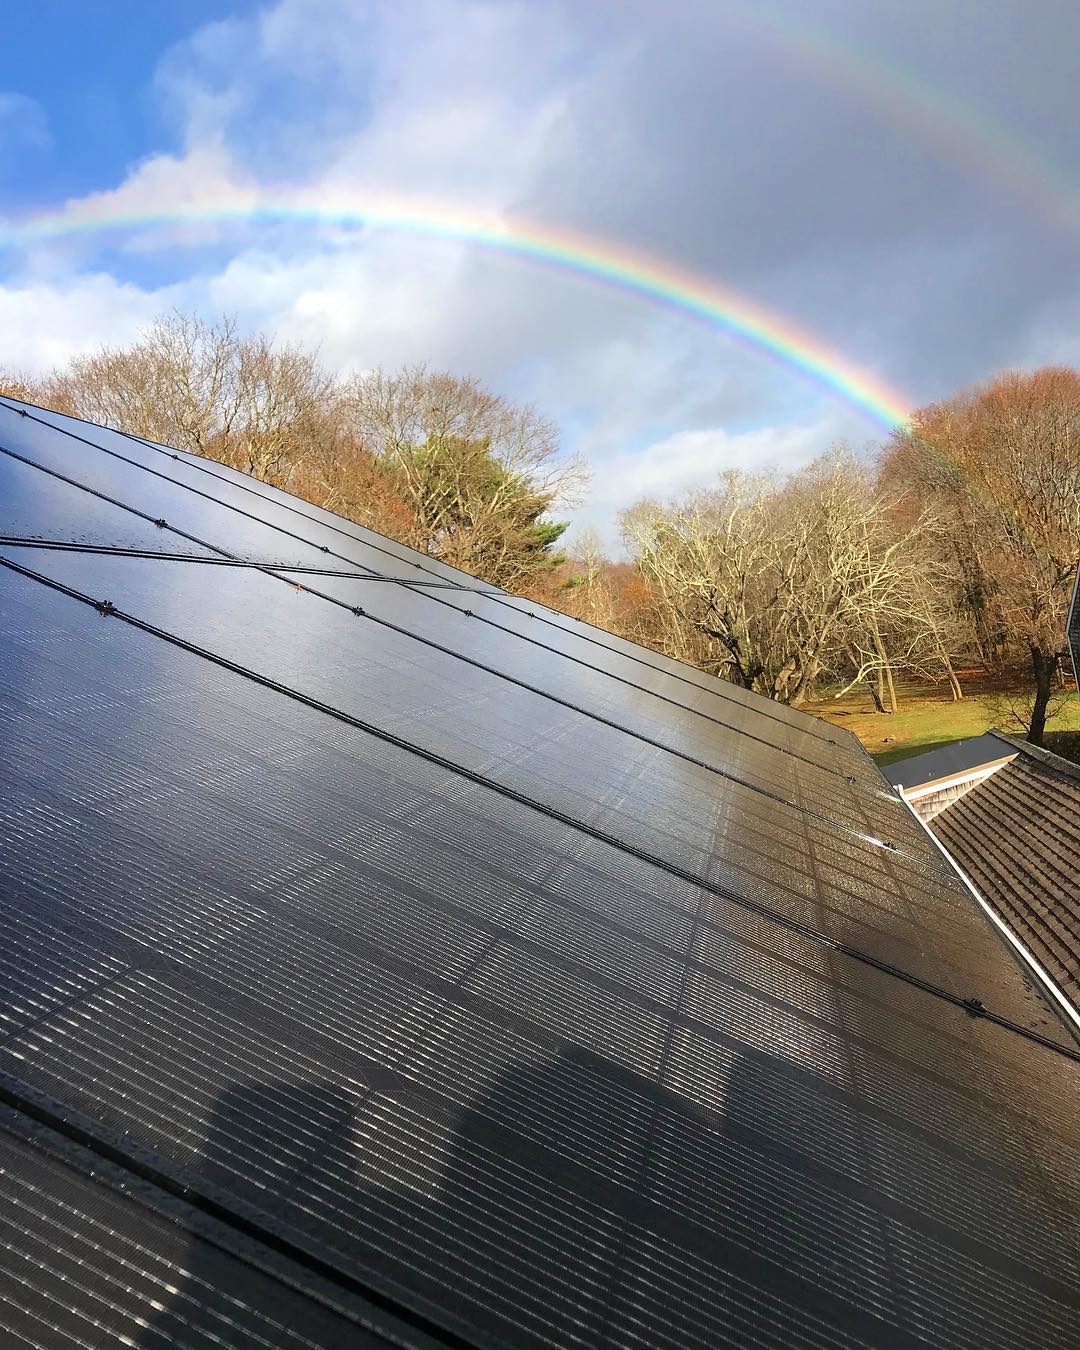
(466, 973)
(1073, 630)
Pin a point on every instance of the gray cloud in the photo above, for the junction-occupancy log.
(905, 228)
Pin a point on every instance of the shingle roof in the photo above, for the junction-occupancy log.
(382, 953)
(1017, 836)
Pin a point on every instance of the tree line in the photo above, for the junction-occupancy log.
(954, 546)
(432, 459)
(957, 545)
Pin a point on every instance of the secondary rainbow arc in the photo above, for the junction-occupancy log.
(941, 117)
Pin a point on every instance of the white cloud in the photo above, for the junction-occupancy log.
(188, 187)
(669, 468)
(43, 324)
(23, 124)
(606, 119)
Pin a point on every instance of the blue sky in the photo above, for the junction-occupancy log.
(89, 69)
(710, 133)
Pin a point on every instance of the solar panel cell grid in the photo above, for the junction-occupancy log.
(85, 1266)
(527, 1087)
(564, 768)
(209, 501)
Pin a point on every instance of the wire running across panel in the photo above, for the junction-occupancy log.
(807, 869)
(480, 1062)
(290, 520)
(421, 1043)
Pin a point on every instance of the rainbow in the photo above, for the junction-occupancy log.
(969, 134)
(604, 261)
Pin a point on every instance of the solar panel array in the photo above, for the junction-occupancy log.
(388, 959)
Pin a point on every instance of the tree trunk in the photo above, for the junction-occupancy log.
(781, 681)
(954, 683)
(875, 691)
(806, 678)
(885, 676)
(1043, 664)
(889, 683)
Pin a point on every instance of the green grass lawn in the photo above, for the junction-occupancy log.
(928, 718)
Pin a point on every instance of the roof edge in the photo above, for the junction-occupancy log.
(1046, 758)
(917, 791)
(1059, 1001)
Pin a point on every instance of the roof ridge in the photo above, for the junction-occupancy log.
(1047, 758)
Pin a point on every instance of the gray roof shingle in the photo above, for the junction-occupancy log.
(1017, 836)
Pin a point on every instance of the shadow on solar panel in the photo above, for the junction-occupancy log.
(568, 1204)
(573, 1204)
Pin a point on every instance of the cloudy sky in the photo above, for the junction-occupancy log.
(900, 181)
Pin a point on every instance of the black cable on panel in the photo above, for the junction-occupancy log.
(192, 463)
(141, 1163)
(973, 1006)
(430, 642)
(163, 555)
(105, 550)
(762, 740)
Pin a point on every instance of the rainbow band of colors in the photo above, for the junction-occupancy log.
(942, 120)
(604, 261)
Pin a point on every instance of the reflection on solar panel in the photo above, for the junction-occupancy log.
(391, 960)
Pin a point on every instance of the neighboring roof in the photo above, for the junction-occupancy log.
(385, 953)
(947, 762)
(1017, 836)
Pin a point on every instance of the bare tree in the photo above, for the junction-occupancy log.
(780, 581)
(1013, 709)
(286, 409)
(175, 385)
(20, 386)
(257, 405)
(593, 596)
(707, 560)
(930, 613)
(894, 614)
